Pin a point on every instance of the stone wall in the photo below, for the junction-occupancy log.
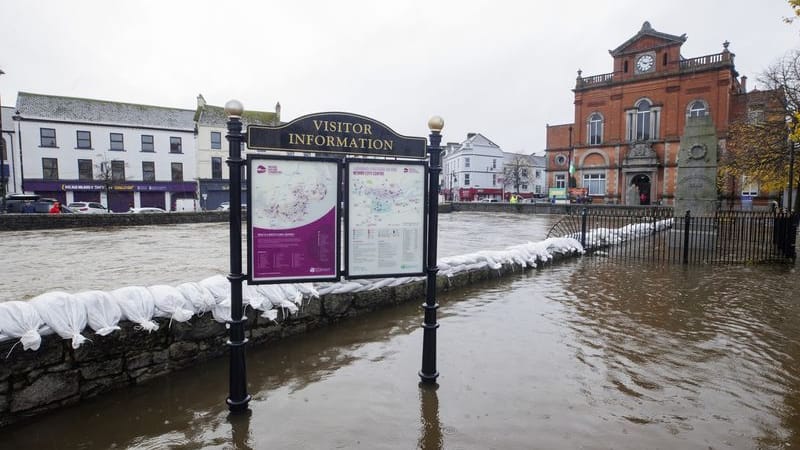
(14, 222)
(33, 382)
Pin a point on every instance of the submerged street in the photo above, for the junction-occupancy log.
(588, 353)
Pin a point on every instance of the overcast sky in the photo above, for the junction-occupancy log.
(501, 68)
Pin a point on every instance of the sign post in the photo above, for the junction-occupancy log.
(429, 374)
(238, 397)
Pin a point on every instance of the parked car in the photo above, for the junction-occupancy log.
(147, 210)
(226, 206)
(87, 208)
(15, 203)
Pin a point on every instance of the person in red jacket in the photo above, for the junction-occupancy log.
(56, 208)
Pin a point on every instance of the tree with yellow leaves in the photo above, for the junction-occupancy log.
(762, 144)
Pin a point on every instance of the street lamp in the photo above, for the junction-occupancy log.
(428, 374)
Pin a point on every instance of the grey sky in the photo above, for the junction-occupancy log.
(501, 68)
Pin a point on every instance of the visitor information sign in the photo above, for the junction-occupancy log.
(293, 231)
(385, 218)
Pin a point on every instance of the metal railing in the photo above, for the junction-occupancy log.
(728, 237)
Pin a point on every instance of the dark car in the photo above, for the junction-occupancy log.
(15, 203)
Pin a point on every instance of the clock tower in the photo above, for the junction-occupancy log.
(622, 145)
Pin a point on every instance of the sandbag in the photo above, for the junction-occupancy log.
(170, 303)
(102, 311)
(20, 320)
(219, 287)
(63, 313)
(137, 305)
(202, 299)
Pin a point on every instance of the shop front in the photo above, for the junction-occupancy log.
(119, 196)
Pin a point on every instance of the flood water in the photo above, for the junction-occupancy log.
(590, 353)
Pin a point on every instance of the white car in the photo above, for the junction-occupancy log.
(87, 208)
(147, 210)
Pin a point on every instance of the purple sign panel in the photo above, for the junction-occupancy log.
(294, 220)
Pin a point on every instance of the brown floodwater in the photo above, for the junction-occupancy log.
(592, 353)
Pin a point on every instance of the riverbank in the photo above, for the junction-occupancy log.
(60, 372)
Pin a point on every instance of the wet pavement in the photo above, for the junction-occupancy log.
(592, 353)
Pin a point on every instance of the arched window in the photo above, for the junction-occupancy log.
(595, 129)
(697, 109)
(643, 121)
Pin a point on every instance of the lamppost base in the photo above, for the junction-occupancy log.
(428, 378)
(238, 406)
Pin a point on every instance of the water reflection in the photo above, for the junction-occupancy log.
(240, 429)
(430, 433)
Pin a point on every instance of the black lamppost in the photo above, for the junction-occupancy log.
(428, 374)
(238, 397)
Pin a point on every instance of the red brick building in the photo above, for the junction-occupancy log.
(626, 133)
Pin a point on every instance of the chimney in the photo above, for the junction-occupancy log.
(744, 84)
(278, 111)
(470, 135)
(201, 102)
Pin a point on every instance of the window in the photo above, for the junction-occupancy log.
(697, 109)
(494, 179)
(148, 171)
(561, 181)
(175, 145)
(116, 141)
(595, 129)
(85, 169)
(494, 164)
(749, 187)
(50, 168)
(216, 168)
(47, 137)
(523, 172)
(537, 188)
(595, 183)
(524, 187)
(118, 170)
(466, 179)
(625, 66)
(177, 171)
(538, 174)
(755, 114)
(147, 143)
(466, 162)
(84, 139)
(216, 140)
(642, 121)
(3, 153)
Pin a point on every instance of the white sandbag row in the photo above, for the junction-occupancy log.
(69, 314)
(527, 255)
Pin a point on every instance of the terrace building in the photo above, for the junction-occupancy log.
(118, 154)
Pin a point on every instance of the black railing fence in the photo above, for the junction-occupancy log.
(657, 234)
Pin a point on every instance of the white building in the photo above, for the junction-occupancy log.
(524, 175)
(212, 148)
(9, 156)
(472, 170)
(119, 154)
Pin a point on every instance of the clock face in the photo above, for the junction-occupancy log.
(645, 63)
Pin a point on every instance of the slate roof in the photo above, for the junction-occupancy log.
(71, 109)
(7, 118)
(647, 30)
(215, 116)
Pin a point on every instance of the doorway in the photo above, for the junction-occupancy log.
(642, 183)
